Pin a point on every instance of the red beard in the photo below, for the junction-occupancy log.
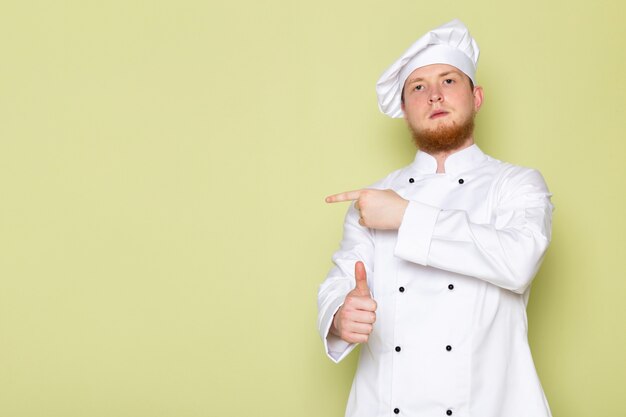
(444, 138)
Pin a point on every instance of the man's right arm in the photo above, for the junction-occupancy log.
(357, 245)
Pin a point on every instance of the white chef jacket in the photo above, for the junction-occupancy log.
(452, 286)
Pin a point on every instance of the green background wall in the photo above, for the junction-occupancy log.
(162, 172)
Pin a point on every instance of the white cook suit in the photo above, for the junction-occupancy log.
(452, 285)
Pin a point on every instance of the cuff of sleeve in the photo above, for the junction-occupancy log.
(415, 232)
(335, 347)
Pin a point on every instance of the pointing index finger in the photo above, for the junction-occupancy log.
(346, 196)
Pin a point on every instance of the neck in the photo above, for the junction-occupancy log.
(443, 155)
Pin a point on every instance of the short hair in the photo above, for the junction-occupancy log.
(471, 83)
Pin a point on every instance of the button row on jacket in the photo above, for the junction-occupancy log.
(450, 287)
(397, 411)
(461, 180)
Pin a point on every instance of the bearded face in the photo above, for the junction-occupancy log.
(439, 105)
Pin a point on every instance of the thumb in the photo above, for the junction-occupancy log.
(361, 278)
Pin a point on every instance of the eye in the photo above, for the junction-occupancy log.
(419, 87)
(449, 81)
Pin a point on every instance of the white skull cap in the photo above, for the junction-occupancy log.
(449, 44)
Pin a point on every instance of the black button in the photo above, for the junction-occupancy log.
(449, 412)
(396, 410)
(461, 181)
(448, 348)
(450, 287)
(411, 180)
(398, 348)
(401, 289)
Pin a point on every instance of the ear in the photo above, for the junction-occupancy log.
(402, 107)
(478, 97)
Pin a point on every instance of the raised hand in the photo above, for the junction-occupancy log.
(354, 321)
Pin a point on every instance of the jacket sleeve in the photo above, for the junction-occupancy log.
(356, 245)
(506, 252)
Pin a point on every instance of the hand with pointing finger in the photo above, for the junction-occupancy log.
(379, 209)
(354, 321)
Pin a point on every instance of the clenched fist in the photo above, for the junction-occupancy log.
(354, 321)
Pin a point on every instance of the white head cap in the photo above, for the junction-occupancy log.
(449, 44)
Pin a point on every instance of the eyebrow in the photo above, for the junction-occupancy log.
(443, 74)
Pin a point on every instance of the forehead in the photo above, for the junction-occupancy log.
(432, 71)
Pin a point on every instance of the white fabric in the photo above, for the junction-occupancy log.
(438, 54)
(449, 44)
(486, 237)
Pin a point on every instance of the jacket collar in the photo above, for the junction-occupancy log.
(456, 163)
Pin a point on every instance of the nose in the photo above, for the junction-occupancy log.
(435, 96)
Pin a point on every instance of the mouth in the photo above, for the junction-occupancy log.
(438, 114)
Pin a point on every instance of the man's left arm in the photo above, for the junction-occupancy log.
(506, 252)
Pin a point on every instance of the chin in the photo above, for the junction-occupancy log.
(443, 136)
